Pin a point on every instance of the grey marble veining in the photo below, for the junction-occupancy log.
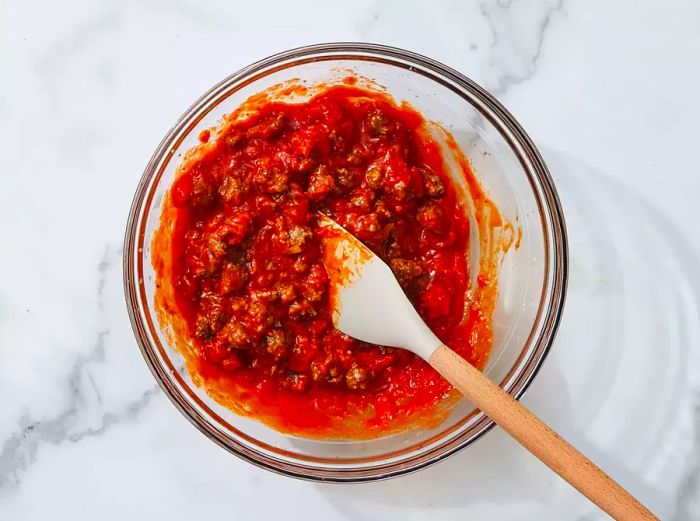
(514, 59)
(19, 451)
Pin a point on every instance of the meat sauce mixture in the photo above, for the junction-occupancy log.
(247, 268)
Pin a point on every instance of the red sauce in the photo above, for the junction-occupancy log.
(247, 273)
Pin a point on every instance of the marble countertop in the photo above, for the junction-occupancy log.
(609, 92)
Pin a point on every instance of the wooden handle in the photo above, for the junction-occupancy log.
(538, 438)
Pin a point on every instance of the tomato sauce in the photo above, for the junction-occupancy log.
(247, 273)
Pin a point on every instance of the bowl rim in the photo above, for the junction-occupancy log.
(534, 350)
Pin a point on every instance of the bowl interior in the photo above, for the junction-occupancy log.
(525, 277)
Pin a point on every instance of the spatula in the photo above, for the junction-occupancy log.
(370, 305)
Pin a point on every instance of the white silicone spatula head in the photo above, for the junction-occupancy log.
(368, 301)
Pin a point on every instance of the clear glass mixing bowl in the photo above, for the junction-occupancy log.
(532, 279)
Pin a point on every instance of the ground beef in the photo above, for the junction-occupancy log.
(249, 265)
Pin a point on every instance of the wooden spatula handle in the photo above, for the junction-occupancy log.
(538, 438)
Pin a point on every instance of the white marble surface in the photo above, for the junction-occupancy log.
(608, 90)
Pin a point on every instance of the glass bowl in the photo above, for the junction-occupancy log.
(532, 278)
